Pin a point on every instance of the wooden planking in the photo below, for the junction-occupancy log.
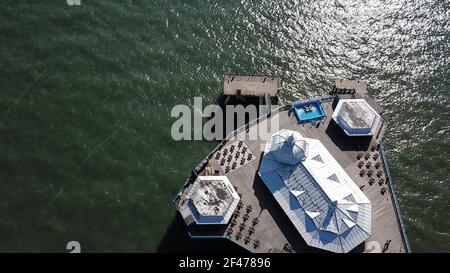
(358, 86)
(250, 85)
(245, 178)
(384, 219)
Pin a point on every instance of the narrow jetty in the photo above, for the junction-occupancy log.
(317, 182)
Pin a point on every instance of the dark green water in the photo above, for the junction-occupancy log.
(86, 94)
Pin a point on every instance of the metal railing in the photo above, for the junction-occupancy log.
(395, 201)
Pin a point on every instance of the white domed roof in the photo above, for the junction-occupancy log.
(289, 147)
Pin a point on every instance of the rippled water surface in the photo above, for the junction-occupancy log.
(86, 95)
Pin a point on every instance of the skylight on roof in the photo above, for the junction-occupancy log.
(350, 198)
(331, 226)
(353, 208)
(297, 193)
(318, 158)
(348, 223)
(334, 178)
(312, 214)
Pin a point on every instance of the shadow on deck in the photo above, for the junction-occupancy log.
(345, 142)
(177, 240)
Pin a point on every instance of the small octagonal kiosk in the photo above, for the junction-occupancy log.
(356, 117)
(212, 200)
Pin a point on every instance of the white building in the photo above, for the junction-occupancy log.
(211, 200)
(327, 208)
(356, 117)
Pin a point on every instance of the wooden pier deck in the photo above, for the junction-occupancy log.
(359, 87)
(236, 85)
(273, 231)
